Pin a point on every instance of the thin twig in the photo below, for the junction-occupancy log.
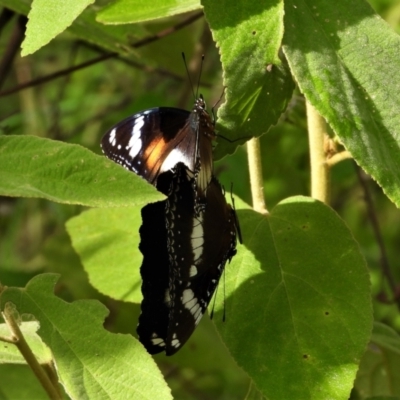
(256, 177)
(5, 17)
(383, 259)
(12, 48)
(55, 75)
(103, 57)
(168, 31)
(25, 350)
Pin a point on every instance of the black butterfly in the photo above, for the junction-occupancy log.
(153, 141)
(187, 239)
(184, 255)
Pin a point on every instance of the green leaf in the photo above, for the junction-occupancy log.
(117, 39)
(67, 173)
(258, 84)
(379, 369)
(132, 11)
(107, 241)
(47, 19)
(91, 362)
(9, 354)
(298, 306)
(346, 59)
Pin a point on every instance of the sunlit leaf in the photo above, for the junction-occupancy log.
(67, 173)
(132, 11)
(92, 363)
(47, 19)
(107, 241)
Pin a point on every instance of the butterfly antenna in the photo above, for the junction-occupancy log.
(201, 70)
(187, 72)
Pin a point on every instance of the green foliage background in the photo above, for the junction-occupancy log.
(302, 339)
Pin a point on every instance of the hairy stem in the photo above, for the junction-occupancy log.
(319, 167)
(256, 178)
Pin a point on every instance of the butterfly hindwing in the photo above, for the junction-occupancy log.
(199, 245)
(153, 321)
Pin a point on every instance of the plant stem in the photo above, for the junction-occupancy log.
(256, 178)
(319, 167)
(372, 215)
(19, 341)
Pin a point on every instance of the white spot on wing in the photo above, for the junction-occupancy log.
(197, 238)
(111, 139)
(187, 295)
(191, 303)
(173, 158)
(157, 341)
(193, 270)
(135, 142)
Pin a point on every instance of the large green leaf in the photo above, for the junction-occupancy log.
(91, 362)
(298, 307)
(67, 173)
(258, 84)
(133, 11)
(379, 372)
(47, 19)
(107, 241)
(346, 59)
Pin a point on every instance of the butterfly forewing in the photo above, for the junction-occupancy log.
(153, 141)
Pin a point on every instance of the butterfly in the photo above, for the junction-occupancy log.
(184, 255)
(153, 141)
(186, 239)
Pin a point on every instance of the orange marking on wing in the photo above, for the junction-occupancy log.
(154, 153)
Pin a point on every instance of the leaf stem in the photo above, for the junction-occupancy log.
(338, 157)
(320, 173)
(19, 341)
(256, 178)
